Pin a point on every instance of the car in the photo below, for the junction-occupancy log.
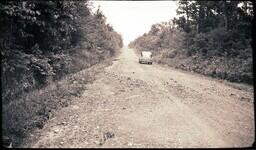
(146, 57)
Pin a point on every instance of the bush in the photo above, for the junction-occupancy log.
(219, 53)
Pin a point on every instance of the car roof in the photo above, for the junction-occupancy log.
(146, 53)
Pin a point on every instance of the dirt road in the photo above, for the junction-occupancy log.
(136, 105)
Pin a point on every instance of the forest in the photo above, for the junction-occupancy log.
(41, 43)
(212, 38)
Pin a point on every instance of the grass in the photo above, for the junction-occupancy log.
(31, 110)
(231, 69)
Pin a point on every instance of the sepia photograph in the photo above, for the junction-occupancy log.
(127, 74)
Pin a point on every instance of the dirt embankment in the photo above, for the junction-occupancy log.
(33, 110)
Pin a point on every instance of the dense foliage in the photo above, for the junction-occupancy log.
(40, 38)
(208, 37)
(42, 41)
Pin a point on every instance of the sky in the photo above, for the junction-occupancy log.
(134, 18)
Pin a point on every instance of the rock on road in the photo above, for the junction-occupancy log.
(135, 105)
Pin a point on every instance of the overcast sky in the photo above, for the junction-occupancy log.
(133, 18)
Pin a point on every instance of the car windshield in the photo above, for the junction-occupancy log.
(146, 54)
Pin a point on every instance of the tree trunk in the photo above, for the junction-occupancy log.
(225, 16)
(187, 19)
(200, 18)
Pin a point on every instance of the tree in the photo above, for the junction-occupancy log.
(184, 9)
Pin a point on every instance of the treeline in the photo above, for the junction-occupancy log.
(208, 37)
(42, 42)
